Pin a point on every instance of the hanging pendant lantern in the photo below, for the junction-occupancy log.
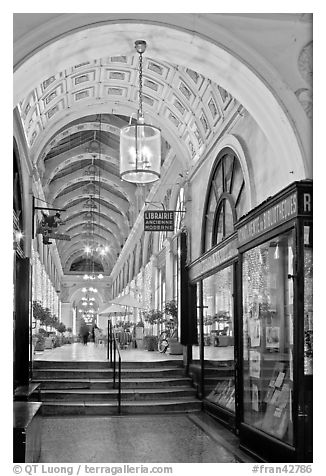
(140, 143)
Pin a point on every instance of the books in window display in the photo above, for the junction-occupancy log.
(224, 394)
(277, 416)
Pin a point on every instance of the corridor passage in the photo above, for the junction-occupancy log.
(179, 438)
(153, 436)
(90, 352)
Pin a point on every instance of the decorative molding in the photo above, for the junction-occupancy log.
(304, 96)
(305, 66)
(305, 63)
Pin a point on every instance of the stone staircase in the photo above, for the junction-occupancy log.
(85, 388)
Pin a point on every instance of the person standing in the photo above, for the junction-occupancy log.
(85, 336)
(96, 335)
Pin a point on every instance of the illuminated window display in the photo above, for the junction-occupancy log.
(308, 269)
(254, 320)
(268, 336)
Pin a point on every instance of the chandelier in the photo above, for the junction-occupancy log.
(91, 189)
(140, 143)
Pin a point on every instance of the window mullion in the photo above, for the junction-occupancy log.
(232, 174)
(239, 194)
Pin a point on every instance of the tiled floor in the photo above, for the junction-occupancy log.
(133, 439)
(90, 352)
(174, 438)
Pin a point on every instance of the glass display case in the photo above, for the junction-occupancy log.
(267, 275)
(275, 245)
(255, 327)
(308, 309)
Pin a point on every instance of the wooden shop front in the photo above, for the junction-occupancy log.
(254, 324)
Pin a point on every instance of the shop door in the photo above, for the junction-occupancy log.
(305, 354)
(219, 344)
(269, 365)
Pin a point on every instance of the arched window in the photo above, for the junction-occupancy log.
(225, 201)
(180, 210)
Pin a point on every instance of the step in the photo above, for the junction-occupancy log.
(82, 395)
(73, 364)
(127, 408)
(44, 364)
(50, 374)
(159, 382)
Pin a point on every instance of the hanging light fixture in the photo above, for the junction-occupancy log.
(140, 143)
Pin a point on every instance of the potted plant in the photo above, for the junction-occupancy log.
(150, 343)
(61, 328)
(69, 337)
(171, 310)
(40, 340)
(139, 334)
(152, 317)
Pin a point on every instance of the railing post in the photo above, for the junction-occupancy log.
(109, 334)
(111, 338)
(119, 387)
(114, 361)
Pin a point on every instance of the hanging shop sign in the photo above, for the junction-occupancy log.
(213, 259)
(58, 236)
(159, 220)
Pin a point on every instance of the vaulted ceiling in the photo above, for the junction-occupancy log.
(72, 122)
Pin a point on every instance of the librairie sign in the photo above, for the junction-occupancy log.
(59, 236)
(158, 220)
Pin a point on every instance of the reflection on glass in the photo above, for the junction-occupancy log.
(196, 347)
(219, 228)
(268, 337)
(228, 217)
(209, 221)
(219, 338)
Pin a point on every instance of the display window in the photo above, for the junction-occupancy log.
(218, 333)
(268, 298)
(308, 309)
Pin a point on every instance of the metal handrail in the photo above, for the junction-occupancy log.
(113, 348)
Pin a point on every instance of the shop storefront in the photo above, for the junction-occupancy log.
(254, 322)
(214, 357)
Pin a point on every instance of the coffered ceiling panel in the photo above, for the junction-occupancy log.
(76, 150)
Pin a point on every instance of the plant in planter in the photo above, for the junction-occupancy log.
(48, 318)
(40, 341)
(139, 334)
(61, 328)
(150, 343)
(171, 310)
(153, 316)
